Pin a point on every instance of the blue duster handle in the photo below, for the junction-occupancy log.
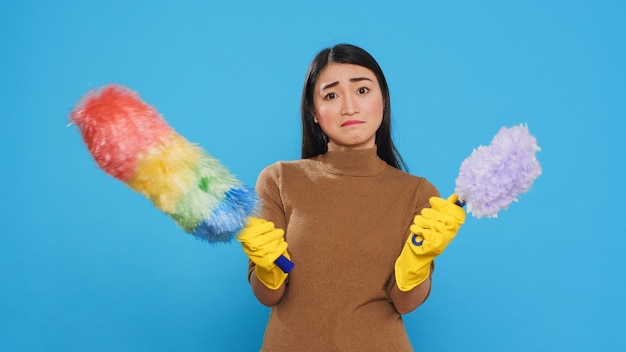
(284, 264)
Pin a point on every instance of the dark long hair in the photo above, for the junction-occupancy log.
(314, 141)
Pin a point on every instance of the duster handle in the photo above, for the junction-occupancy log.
(284, 264)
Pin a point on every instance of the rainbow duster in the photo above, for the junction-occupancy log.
(493, 176)
(130, 141)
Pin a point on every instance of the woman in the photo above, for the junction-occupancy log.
(343, 214)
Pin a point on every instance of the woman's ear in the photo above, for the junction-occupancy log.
(312, 112)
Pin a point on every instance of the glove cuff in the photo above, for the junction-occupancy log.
(411, 269)
(272, 278)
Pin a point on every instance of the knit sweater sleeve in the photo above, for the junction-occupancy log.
(269, 191)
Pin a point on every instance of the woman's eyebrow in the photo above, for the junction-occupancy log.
(358, 79)
(329, 85)
(355, 79)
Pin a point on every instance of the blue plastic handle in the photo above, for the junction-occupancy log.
(284, 264)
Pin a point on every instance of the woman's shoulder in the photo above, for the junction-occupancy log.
(416, 181)
(290, 166)
(401, 174)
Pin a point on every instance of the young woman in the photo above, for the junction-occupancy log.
(361, 231)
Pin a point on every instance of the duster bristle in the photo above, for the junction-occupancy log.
(492, 177)
(116, 127)
(130, 141)
(166, 171)
(229, 217)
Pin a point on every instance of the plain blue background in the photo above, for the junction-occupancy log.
(88, 265)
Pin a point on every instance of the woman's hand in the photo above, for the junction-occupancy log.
(263, 244)
(432, 230)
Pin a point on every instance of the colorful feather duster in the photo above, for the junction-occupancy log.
(130, 141)
(493, 176)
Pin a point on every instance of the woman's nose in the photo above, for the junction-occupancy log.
(349, 106)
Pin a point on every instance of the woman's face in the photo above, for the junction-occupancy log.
(348, 105)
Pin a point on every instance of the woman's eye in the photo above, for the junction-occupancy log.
(330, 96)
(363, 90)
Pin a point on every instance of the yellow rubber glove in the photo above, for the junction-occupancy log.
(431, 232)
(263, 244)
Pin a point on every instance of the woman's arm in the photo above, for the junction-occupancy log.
(268, 190)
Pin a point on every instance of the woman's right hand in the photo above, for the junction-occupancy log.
(432, 230)
(263, 244)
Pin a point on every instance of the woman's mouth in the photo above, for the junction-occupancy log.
(351, 123)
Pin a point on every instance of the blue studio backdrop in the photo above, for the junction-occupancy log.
(86, 264)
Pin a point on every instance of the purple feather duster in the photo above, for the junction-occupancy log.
(492, 177)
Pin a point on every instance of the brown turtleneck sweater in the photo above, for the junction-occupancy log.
(346, 216)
